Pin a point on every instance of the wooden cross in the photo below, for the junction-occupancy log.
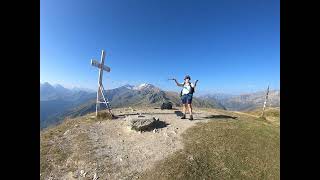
(100, 92)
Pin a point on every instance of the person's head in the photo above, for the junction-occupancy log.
(187, 78)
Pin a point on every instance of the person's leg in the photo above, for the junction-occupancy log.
(184, 101)
(184, 107)
(190, 111)
(190, 106)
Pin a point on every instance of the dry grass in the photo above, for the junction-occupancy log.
(242, 149)
(271, 115)
(104, 116)
(55, 150)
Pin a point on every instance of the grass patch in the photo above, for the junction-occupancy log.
(271, 115)
(244, 149)
(52, 152)
(269, 112)
(104, 116)
(54, 149)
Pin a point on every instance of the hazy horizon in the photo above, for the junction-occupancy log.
(199, 92)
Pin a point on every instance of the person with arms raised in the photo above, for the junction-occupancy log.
(186, 95)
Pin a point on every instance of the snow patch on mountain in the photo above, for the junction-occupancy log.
(143, 86)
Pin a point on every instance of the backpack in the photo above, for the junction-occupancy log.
(166, 105)
(191, 90)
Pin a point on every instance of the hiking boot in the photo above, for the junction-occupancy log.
(183, 117)
(191, 118)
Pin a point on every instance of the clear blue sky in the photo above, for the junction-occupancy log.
(231, 46)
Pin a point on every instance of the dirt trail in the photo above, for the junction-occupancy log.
(111, 150)
(132, 152)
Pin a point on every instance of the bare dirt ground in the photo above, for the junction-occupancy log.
(109, 149)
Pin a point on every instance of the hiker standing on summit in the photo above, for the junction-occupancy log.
(186, 95)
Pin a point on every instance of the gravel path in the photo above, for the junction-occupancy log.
(111, 150)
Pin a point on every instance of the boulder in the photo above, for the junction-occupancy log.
(143, 123)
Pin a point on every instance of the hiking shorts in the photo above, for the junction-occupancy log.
(186, 99)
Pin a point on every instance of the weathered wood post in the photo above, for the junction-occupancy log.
(265, 102)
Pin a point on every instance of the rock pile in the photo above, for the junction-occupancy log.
(143, 123)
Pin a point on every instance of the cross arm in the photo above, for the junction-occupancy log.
(100, 66)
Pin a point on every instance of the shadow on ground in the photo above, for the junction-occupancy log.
(129, 114)
(167, 109)
(156, 125)
(178, 113)
(220, 117)
(160, 124)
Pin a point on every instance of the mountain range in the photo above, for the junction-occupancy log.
(57, 102)
(246, 102)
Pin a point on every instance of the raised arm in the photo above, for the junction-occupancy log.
(178, 84)
(195, 83)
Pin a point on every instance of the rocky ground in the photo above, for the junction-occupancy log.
(90, 148)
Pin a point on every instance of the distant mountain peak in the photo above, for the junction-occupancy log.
(128, 86)
(45, 84)
(58, 86)
(144, 86)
